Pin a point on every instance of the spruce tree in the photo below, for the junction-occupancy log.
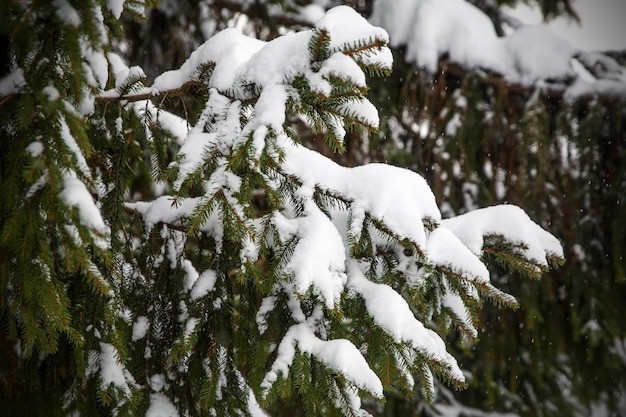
(174, 248)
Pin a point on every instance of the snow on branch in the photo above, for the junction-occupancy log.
(339, 354)
(328, 237)
(531, 55)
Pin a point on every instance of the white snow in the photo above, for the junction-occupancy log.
(253, 406)
(70, 142)
(445, 249)
(345, 25)
(98, 64)
(456, 305)
(509, 221)
(458, 30)
(51, 92)
(161, 406)
(431, 28)
(35, 149)
(338, 65)
(191, 275)
(269, 109)
(112, 372)
(339, 354)
(228, 49)
(140, 328)
(538, 54)
(397, 196)
(12, 83)
(67, 13)
(75, 194)
(267, 306)
(319, 257)
(116, 7)
(164, 210)
(204, 284)
(279, 60)
(392, 313)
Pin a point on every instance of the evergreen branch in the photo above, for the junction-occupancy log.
(460, 324)
(402, 241)
(374, 69)
(232, 210)
(362, 47)
(485, 288)
(351, 119)
(531, 268)
(318, 45)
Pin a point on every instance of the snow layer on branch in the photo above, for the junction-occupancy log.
(338, 354)
(116, 7)
(609, 88)
(431, 29)
(112, 372)
(240, 60)
(345, 25)
(458, 307)
(319, 257)
(161, 406)
(445, 249)
(253, 406)
(538, 54)
(140, 328)
(75, 194)
(228, 49)
(192, 154)
(392, 313)
(204, 284)
(279, 60)
(512, 223)
(12, 83)
(67, 13)
(397, 196)
(164, 210)
(269, 109)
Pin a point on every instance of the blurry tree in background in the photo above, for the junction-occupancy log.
(554, 146)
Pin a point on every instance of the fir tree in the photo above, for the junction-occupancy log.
(207, 262)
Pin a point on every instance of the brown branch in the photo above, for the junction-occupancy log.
(177, 92)
(378, 44)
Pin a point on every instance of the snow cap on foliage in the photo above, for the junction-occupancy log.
(432, 28)
(345, 26)
(510, 222)
(75, 194)
(339, 354)
(112, 372)
(445, 249)
(392, 313)
(12, 83)
(319, 256)
(397, 196)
